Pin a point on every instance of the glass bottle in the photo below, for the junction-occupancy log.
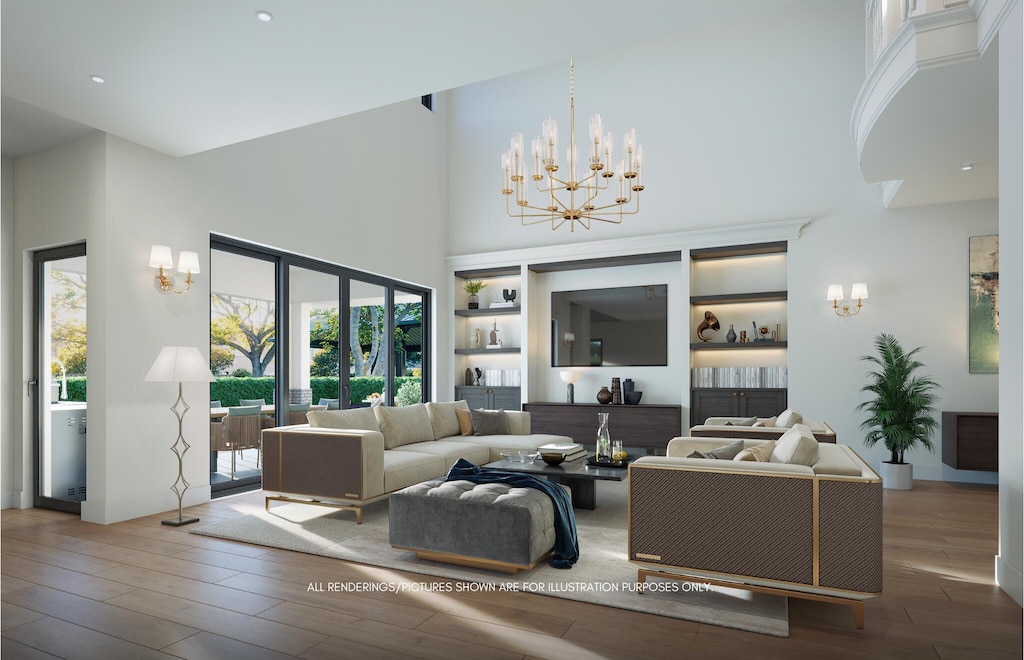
(604, 439)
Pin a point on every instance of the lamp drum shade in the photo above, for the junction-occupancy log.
(835, 292)
(180, 364)
(188, 262)
(859, 291)
(569, 376)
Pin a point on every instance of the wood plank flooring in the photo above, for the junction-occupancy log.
(139, 589)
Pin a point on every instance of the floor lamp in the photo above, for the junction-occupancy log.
(180, 364)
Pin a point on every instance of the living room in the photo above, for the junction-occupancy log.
(746, 121)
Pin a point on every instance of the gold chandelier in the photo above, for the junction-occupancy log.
(582, 205)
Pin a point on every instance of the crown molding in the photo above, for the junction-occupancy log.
(766, 232)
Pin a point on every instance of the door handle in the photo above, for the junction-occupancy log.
(31, 384)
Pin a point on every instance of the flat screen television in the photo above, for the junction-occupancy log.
(613, 327)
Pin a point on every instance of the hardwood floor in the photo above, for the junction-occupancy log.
(139, 589)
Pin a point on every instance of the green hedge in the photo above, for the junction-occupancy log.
(76, 388)
(229, 390)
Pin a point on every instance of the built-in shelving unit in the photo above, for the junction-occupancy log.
(500, 366)
(744, 286)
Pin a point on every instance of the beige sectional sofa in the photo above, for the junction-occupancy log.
(761, 428)
(350, 458)
(810, 528)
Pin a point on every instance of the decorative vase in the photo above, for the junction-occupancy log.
(627, 385)
(604, 439)
(474, 301)
(731, 335)
(604, 397)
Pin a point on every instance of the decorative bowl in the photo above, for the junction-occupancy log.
(632, 398)
(518, 455)
(553, 459)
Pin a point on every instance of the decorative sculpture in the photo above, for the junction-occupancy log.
(710, 322)
(509, 295)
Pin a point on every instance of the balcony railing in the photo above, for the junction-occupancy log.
(886, 17)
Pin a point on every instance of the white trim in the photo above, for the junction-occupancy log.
(990, 21)
(783, 230)
(889, 190)
(1009, 579)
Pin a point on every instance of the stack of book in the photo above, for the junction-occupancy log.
(572, 450)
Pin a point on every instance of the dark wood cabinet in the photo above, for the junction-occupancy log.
(645, 426)
(970, 440)
(491, 398)
(734, 402)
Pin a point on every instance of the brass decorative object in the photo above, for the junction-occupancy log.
(710, 322)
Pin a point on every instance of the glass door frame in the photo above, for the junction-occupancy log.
(42, 384)
(284, 261)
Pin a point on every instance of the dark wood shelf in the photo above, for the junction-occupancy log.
(728, 252)
(725, 346)
(726, 298)
(496, 271)
(489, 311)
(485, 351)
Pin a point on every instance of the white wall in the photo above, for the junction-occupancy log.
(749, 124)
(340, 191)
(1010, 561)
(8, 496)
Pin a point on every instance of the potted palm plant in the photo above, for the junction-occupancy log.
(473, 287)
(900, 412)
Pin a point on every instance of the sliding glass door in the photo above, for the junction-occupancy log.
(308, 334)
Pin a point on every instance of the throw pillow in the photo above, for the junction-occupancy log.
(443, 421)
(465, 421)
(353, 418)
(489, 422)
(404, 425)
(797, 446)
(518, 422)
(746, 421)
(726, 452)
(788, 418)
(761, 453)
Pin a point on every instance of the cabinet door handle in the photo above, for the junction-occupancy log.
(743, 394)
(734, 393)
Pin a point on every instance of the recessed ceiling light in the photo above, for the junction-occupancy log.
(967, 167)
(264, 15)
(97, 79)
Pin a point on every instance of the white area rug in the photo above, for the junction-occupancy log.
(602, 575)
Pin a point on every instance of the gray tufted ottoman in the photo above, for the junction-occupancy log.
(492, 526)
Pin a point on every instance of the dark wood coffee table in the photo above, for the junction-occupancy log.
(577, 475)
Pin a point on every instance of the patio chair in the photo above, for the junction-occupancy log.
(239, 430)
(332, 404)
(297, 413)
(215, 404)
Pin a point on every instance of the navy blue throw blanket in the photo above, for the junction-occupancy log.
(567, 547)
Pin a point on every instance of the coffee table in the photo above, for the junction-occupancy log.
(577, 475)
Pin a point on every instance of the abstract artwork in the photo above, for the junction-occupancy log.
(983, 305)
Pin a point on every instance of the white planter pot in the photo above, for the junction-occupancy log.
(897, 476)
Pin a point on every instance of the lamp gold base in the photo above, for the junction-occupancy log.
(178, 522)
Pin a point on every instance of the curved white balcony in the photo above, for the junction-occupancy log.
(928, 105)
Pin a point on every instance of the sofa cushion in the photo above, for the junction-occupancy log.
(788, 418)
(767, 421)
(404, 425)
(742, 421)
(443, 421)
(498, 442)
(489, 422)
(465, 421)
(353, 418)
(797, 446)
(405, 468)
(761, 453)
(725, 452)
(839, 460)
(518, 422)
(451, 451)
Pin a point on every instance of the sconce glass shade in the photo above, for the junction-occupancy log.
(859, 291)
(160, 257)
(569, 337)
(188, 262)
(569, 376)
(835, 292)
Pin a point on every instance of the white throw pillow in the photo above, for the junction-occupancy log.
(404, 425)
(788, 418)
(442, 417)
(797, 446)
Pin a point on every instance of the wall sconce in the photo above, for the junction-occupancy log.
(835, 294)
(568, 339)
(160, 257)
